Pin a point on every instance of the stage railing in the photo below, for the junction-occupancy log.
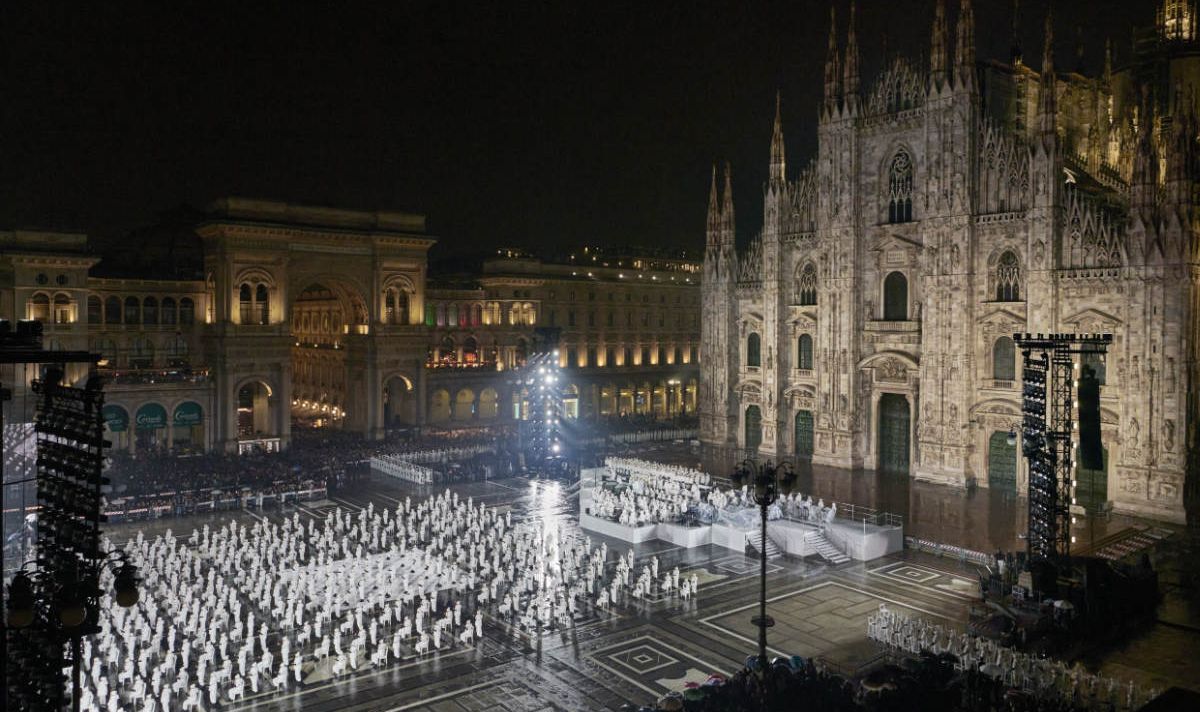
(870, 515)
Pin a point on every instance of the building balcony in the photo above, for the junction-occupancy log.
(893, 326)
(155, 376)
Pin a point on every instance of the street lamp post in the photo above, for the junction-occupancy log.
(768, 481)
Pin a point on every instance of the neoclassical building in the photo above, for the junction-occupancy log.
(254, 316)
(950, 204)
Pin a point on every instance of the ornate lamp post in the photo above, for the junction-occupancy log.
(767, 482)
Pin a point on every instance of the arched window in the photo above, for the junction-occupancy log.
(262, 304)
(389, 306)
(133, 310)
(246, 304)
(753, 350)
(142, 355)
(804, 352)
(895, 297)
(401, 307)
(95, 313)
(150, 311)
(900, 188)
(112, 310)
(62, 309)
(39, 308)
(187, 311)
(470, 350)
(806, 287)
(1004, 359)
(1008, 278)
(168, 311)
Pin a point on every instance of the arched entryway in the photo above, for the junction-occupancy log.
(894, 438)
(439, 406)
(399, 406)
(116, 426)
(488, 404)
(187, 427)
(150, 425)
(464, 404)
(753, 433)
(1002, 463)
(256, 411)
(803, 434)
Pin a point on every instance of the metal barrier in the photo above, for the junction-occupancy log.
(870, 515)
(966, 556)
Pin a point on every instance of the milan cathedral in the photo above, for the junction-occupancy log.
(948, 207)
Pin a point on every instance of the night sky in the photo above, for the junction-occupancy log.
(538, 124)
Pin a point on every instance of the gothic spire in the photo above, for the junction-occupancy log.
(1108, 61)
(832, 89)
(727, 203)
(850, 80)
(937, 45)
(1144, 182)
(778, 159)
(964, 49)
(1015, 48)
(714, 207)
(1047, 102)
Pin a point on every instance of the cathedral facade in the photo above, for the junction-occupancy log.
(949, 206)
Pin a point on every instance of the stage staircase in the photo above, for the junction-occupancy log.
(755, 540)
(825, 549)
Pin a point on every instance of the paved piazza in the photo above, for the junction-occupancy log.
(637, 654)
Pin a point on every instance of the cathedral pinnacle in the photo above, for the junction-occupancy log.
(778, 156)
(1015, 49)
(727, 224)
(850, 78)
(965, 47)
(1048, 101)
(714, 207)
(937, 45)
(831, 65)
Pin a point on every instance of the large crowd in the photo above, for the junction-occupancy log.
(234, 610)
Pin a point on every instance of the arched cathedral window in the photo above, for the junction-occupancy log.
(1004, 359)
(806, 287)
(1008, 278)
(804, 352)
(895, 297)
(900, 188)
(753, 350)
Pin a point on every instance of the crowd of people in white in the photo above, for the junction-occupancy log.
(1047, 677)
(401, 468)
(236, 610)
(639, 492)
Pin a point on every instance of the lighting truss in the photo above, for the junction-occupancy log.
(1048, 423)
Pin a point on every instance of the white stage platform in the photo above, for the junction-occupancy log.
(858, 541)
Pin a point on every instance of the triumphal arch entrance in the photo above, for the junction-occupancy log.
(315, 315)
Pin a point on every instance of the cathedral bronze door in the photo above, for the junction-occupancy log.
(803, 434)
(1002, 463)
(893, 433)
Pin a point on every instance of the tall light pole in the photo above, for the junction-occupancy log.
(768, 482)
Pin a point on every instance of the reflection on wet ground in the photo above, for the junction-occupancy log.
(635, 655)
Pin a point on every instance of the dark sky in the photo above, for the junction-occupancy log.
(506, 122)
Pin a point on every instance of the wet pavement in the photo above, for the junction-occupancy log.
(638, 654)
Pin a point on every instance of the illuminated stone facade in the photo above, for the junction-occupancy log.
(949, 206)
(325, 317)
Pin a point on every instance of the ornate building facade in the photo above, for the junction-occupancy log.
(281, 315)
(949, 206)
